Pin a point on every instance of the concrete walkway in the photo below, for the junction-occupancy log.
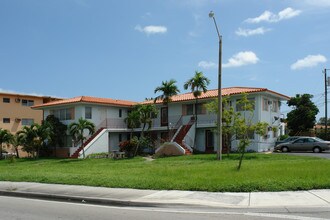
(133, 197)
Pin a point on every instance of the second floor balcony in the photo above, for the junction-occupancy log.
(173, 122)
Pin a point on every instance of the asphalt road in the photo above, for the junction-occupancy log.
(30, 209)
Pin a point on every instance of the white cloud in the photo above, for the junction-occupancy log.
(250, 32)
(207, 64)
(151, 29)
(270, 17)
(241, 59)
(309, 61)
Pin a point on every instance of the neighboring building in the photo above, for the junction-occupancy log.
(16, 112)
(108, 115)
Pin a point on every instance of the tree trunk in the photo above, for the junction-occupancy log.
(16, 149)
(141, 136)
(0, 151)
(83, 148)
(168, 124)
(195, 122)
(240, 160)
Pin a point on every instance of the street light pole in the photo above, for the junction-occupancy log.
(219, 116)
(326, 102)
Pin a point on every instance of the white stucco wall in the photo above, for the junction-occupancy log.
(99, 145)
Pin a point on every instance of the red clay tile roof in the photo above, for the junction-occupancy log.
(88, 99)
(225, 92)
(181, 97)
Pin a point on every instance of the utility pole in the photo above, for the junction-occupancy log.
(219, 115)
(326, 84)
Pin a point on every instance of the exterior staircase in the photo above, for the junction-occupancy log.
(182, 133)
(76, 153)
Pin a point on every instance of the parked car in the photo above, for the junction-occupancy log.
(314, 144)
(289, 139)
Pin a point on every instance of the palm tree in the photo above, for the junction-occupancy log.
(197, 84)
(34, 137)
(146, 114)
(58, 132)
(133, 120)
(168, 89)
(141, 114)
(77, 129)
(16, 141)
(5, 138)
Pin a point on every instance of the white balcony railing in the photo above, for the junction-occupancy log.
(174, 122)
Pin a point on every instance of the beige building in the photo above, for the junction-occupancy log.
(16, 112)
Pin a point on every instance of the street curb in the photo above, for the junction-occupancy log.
(87, 200)
(76, 199)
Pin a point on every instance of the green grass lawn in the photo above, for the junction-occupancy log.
(260, 172)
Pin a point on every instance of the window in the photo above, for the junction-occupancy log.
(88, 112)
(201, 109)
(120, 138)
(265, 104)
(27, 121)
(301, 140)
(188, 109)
(241, 107)
(274, 106)
(227, 105)
(6, 100)
(6, 120)
(120, 113)
(63, 114)
(26, 102)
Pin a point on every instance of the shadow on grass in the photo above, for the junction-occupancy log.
(70, 160)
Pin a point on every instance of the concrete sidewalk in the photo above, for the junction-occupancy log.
(133, 197)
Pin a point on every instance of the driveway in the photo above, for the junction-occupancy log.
(325, 154)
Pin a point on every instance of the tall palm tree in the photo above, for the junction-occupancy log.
(197, 85)
(77, 129)
(5, 138)
(168, 89)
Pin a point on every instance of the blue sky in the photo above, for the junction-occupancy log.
(124, 49)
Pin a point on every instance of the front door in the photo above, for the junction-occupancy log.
(209, 141)
(164, 116)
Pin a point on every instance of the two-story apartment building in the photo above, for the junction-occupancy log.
(16, 112)
(201, 135)
(174, 122)
(107, 114)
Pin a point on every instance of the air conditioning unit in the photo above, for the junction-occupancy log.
(18, 100)
(17, 120)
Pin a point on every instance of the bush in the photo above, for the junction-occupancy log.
(128, 147)
(98, 156)
(323, 136)
(144, 145)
